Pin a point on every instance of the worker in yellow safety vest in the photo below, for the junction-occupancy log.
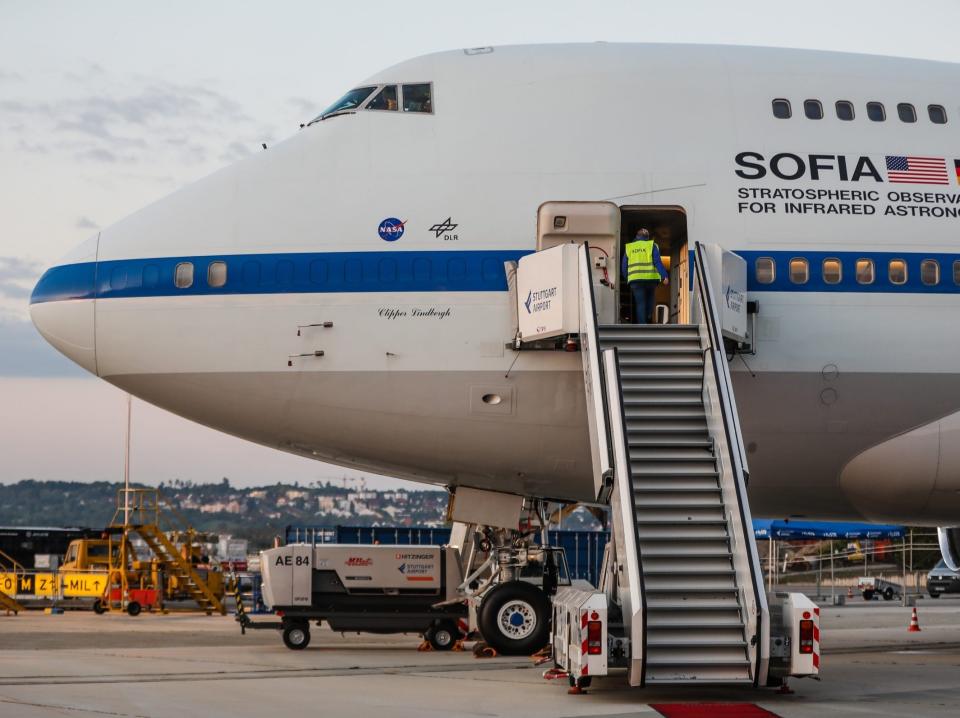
(643, 269)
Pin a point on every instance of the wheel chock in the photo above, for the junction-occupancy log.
(553, 674)
(482, 650)
(424, 646)
(575, 690)
(543, 655)
(458, 645)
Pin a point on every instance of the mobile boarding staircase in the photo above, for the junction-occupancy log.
(682, 580)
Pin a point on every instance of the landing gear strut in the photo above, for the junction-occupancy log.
(504, 568)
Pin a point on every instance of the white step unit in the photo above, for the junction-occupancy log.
(580, 635)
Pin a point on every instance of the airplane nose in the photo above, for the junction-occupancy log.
(62, 307)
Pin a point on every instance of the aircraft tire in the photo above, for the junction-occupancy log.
(514, 618)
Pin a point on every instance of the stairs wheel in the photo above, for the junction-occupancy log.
(133, 608)
(296, 636)
(99, 608)
(514, 618)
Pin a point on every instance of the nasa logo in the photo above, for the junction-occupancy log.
(391, 229)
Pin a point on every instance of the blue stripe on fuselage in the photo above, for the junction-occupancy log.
(423, 271)
(287, 273)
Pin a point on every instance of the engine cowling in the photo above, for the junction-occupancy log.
(949, 538)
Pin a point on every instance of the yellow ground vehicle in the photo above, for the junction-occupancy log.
(131, 582)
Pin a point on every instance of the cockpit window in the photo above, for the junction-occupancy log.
(351, 101)
(417, 98)
(386, 99)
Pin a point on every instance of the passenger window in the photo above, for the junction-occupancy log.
(956, 271)
(832, 270)
(930, 272)
(386, 99)
(813, 109)
(865, 272)
(876, 112)
(250, 274)
(897, 271)
(938, 115)
(781, 109)
(217, 274)
(766, 270)
(417, 98)
(318, 271)
(284, 272)
(118, 278)
(151, 276)
(845, 110)
(907, 112)
(799, 271)
(183, 275)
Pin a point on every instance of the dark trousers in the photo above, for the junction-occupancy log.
(643, 299)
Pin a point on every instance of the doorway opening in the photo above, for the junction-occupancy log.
(668, 228)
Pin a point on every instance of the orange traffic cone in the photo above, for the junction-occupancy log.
(914, 623)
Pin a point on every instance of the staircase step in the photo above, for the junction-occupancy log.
(644, 440)
(687, 551)
(675, 484)
(672, 586)
(683, 571)
(705, 605)
(645, 383)
(674, 455)
(661, 412)
(639, 427)
(708, 622)
(670, 469)
(648, 332)
(652, 534)
(636, 396)
(656, 373)
(671, 361)
(679, 503)
(654, 515)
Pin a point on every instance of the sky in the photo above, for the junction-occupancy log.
(106, 106)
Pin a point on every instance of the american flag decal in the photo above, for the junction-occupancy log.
(917, 170)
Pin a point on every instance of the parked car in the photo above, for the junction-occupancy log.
(942, 580)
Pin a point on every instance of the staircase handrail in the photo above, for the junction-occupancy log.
(590, 350)
(14, 565)
(731, 427)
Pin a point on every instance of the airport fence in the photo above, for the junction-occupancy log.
(583, 549)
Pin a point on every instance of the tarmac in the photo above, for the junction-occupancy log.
(182, 665)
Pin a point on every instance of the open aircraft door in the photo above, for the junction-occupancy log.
(729, 280)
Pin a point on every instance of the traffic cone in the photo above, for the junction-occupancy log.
(914, 623)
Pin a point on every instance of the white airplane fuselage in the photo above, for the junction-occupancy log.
(420, 318)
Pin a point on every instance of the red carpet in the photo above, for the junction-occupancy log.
(711, 710)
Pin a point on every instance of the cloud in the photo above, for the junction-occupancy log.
(87, 223)
(17, 277)
(6, 76)
(235, 151)
(33, 149)
(25, 353)
(139, 123)
(303, 106)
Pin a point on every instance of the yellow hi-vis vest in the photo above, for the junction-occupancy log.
(640, 261)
